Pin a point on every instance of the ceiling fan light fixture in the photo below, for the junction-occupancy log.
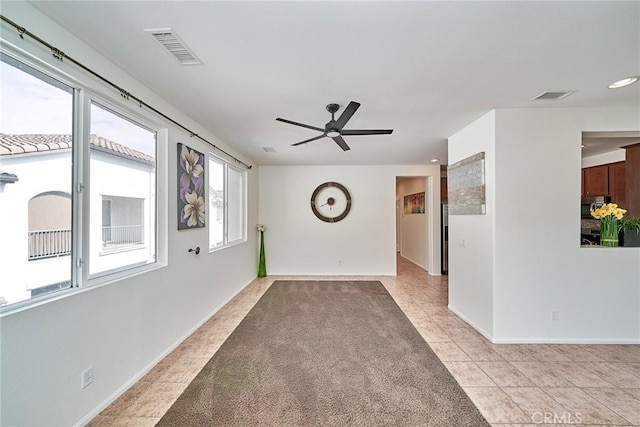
(623, 82)
(332, 133)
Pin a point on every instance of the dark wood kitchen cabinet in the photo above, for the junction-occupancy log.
(618, 184)
(606, 180)
(595, 181)
(443, 188)
(632, 172)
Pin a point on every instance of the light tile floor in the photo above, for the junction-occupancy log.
(512, 385)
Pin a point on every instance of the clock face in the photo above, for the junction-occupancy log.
(331, 202)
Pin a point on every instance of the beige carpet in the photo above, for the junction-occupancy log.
(324, 353)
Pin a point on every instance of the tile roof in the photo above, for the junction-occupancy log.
(36, 143)
(216, 194)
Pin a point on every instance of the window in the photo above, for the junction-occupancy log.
(122, 192)
(227, 203)
(75, 209)
(35, 205)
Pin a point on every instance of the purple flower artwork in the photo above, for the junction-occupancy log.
(191, 204)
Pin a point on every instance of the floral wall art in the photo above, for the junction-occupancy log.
(191, 203)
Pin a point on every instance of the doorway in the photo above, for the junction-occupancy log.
(412, 219)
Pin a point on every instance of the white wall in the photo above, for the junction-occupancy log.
(413, 226)
(471, 237)
(540, 266)
(364, 243)
(527, 259)
(122, 328)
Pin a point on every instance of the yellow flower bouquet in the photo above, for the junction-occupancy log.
(608, 214)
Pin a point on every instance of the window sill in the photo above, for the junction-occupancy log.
(119, 249)
(229, 245)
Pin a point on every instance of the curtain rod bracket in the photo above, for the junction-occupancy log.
(21, 31)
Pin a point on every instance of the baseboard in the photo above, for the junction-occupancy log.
(537, 340)
(327, 276)
(414, 262)
(116, 394)
(472, 324)
(566, 341)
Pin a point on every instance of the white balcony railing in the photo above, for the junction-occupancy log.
(56, 243)
(49, 243)
(122, 235)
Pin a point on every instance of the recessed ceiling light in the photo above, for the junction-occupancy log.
(623, 82)
(435, 160)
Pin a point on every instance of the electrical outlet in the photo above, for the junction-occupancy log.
(554, 315)
(87, 377)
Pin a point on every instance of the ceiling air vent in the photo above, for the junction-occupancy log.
(176, 47)
(551, 96)
(269, 149)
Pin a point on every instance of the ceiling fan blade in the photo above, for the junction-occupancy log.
(308, 140)
(346, 114)
(366, 132)
(341, 142)
(300, 124)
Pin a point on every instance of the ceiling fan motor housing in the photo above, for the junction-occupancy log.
(330, 129)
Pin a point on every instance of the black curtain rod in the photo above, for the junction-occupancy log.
(60, 55)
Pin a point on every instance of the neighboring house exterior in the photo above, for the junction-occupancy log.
(35, 214)
(216, 225)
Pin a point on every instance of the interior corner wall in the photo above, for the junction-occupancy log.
(539, 265)
(364, 243)
(471, 237)
(413, 226)
(121, 328)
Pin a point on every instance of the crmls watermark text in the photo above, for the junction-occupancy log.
(556, 418)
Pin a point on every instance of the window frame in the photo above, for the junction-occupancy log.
(120, 272)
(243, 173)
(86, 89)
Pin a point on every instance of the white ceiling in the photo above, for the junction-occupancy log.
(603, 142)
(424, 69)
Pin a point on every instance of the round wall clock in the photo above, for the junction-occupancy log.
(331, 202)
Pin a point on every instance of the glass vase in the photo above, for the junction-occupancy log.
(262, 264)
(609, 231)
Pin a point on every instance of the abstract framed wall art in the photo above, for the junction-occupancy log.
(414, 203)
(466, 186)
(191, 202)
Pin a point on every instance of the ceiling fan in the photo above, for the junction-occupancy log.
(334, 129)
